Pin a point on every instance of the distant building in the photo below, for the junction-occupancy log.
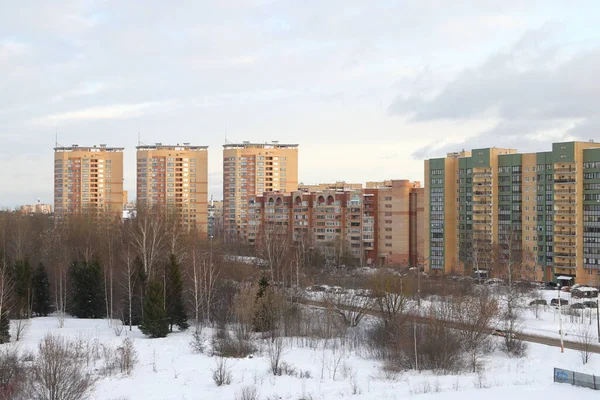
(250, 169)
(174, 178)
(215, 218)
(38, 208)
(88, 179)
(381, 225)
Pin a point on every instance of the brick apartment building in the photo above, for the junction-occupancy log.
(381, 224)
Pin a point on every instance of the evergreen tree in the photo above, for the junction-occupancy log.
(174, 295)
(41, 291)
(155, 322)
(263, 319)
(87, 290)
(23, 275)
(4, 328)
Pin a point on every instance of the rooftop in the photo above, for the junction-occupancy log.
(160, 146)
(99, 148)
(267, 145)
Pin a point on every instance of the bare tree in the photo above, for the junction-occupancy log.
(350, 306)
(585, 342)
(475, 314)
(147, 238)
(129, 281)
(511, 258)
(275, 349)
(203, 274)
(58, 373)
(389, 291)
(273, 247)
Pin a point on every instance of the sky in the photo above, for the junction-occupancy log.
(368, 89)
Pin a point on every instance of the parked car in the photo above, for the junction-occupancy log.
(590, 304)
(566, 289)
(577, 306)
(538, 302)
(584, 292)
(550, 286)
(554, 302)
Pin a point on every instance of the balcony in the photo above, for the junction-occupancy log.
(567, 232)
(485, 202)
(562, 181)
(482, 212)
(570, 192)
(483, 183)
(564, 264)
(565, 201)
(482, 193)
(565, 222)
(564, 255)
(568, 170)
(565, 212)
(566, 245)
(482, 221)
(482, 174)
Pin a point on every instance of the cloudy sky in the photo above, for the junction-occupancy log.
(367, 88)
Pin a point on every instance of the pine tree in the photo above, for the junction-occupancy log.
(263, 319)
(87, 290)
(41, 291)
(23, 274)
(155, 322)
(174, 296)
(4, 328)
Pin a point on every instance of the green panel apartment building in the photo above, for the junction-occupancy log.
(540, 212)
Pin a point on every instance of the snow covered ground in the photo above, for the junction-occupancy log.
(168, 369)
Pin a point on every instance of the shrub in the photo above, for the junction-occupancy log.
(222, 372)
(57, 373)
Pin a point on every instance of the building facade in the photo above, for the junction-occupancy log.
(174, 178)
(537, 212)
(38, 208)
(88, 179)
(249, 169)
(215, 218)
(382, 225)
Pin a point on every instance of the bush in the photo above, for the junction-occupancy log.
(197, 343)
(247, 393)
(222, 372)
(12, 375)
(127, 356)
(57, 373)
(226, 346)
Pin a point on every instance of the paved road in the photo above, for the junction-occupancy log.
(548, 341)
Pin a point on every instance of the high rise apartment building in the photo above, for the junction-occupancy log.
(174, 178)
(540, 209)
(378, 225)
(249, 169)
(88, 179)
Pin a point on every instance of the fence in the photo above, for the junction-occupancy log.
(576, 378)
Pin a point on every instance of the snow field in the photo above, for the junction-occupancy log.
(168, 369)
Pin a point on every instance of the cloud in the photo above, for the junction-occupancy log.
(536, 91)
(116, 111)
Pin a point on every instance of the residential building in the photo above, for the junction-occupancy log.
(329, 186)
(379, 225)
(215, 218)
(174, 178)
(88, 179)
(249, 169)
(538, 213)
(37, 208)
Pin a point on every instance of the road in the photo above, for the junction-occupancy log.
(548, 341)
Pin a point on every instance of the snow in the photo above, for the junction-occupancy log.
(168, 369)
